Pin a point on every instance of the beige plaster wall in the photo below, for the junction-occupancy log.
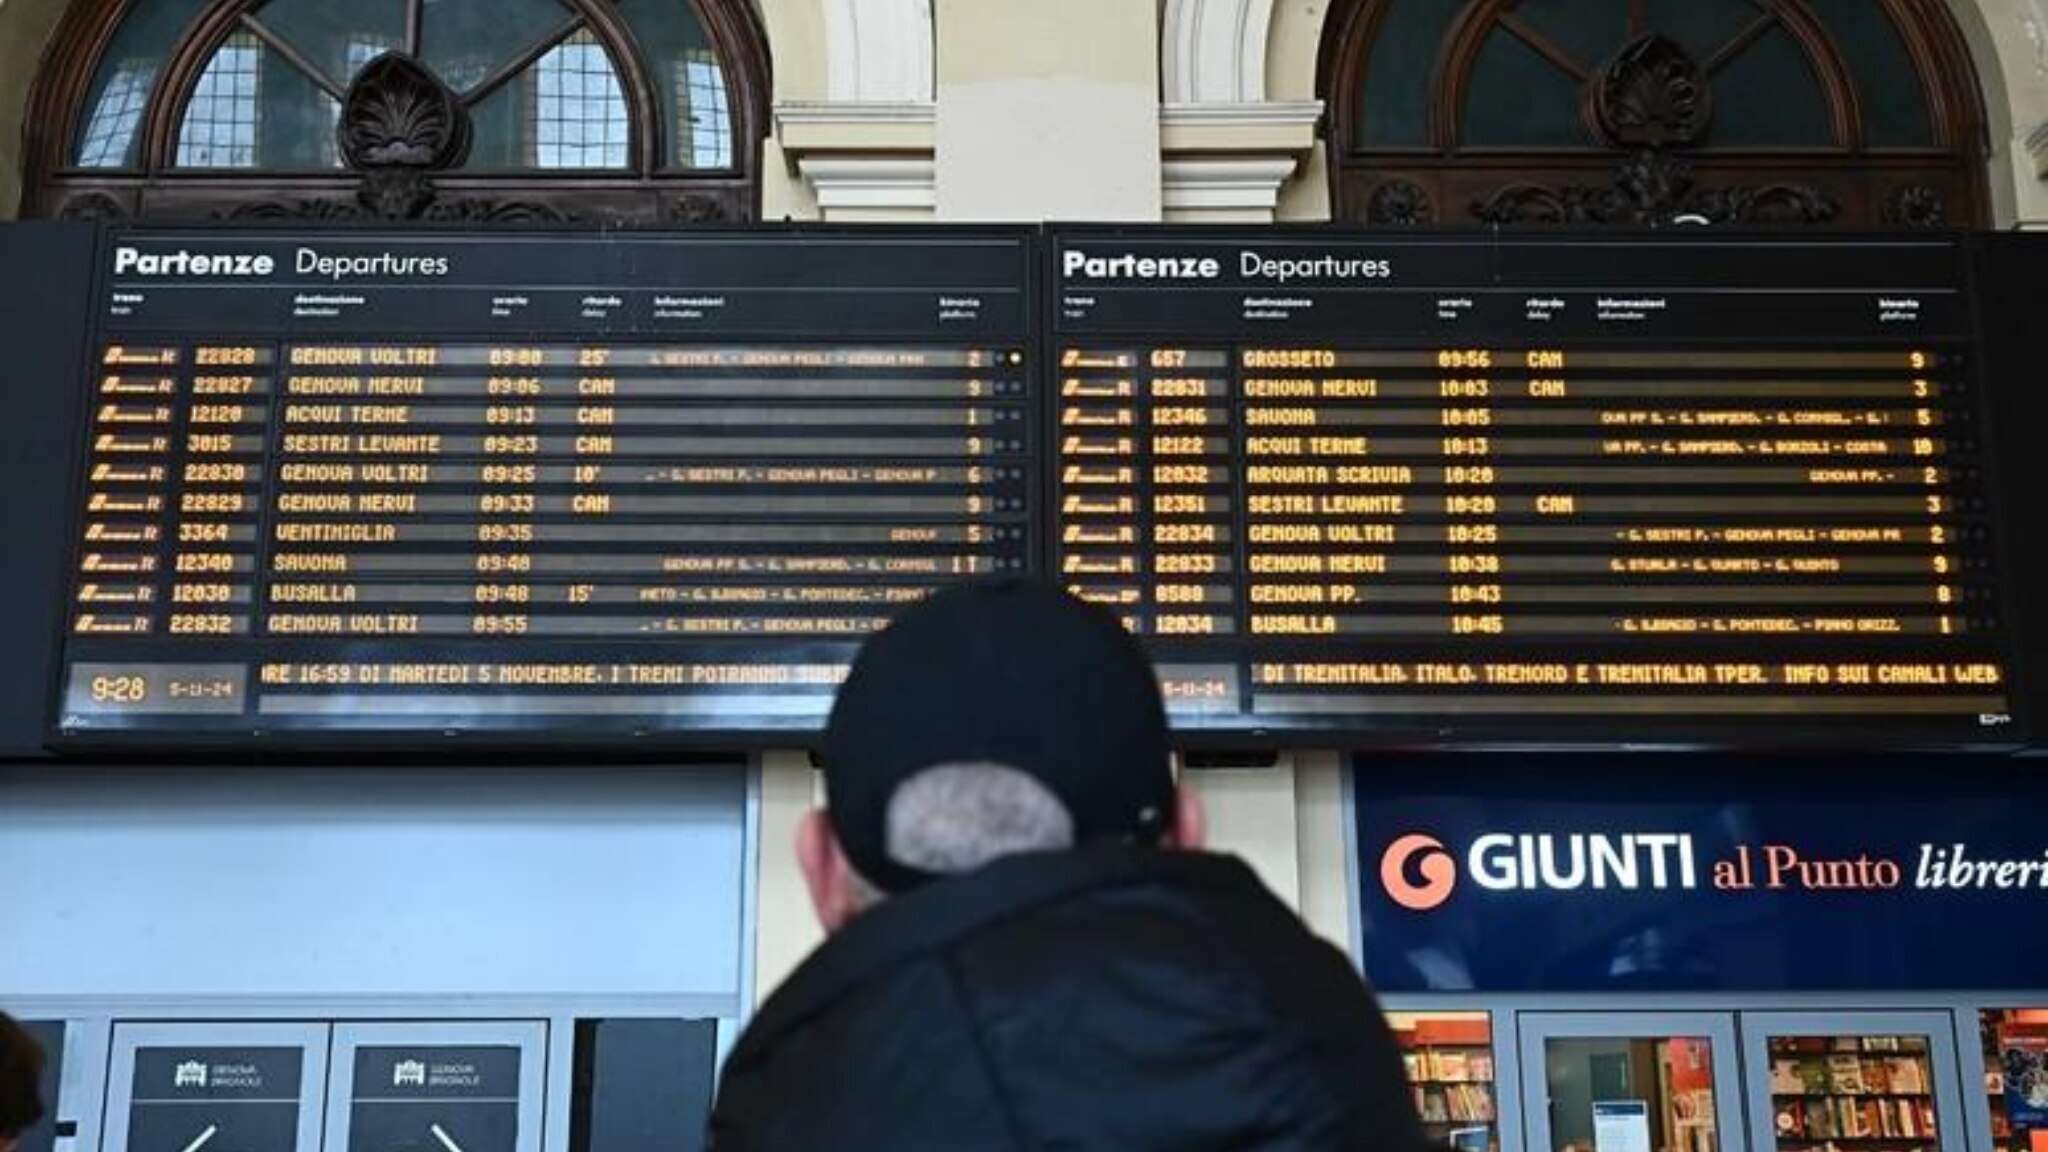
(796, 49)
(1048, 110)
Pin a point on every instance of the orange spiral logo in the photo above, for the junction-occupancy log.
(1439, 874)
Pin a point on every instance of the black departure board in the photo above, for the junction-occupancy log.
(1349, 489)
(1501, 488)
(552, 485)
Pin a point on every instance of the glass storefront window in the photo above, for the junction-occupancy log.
(1870, 1093)
(2016, 1078)
(1631, 1094)
(1449, 1059)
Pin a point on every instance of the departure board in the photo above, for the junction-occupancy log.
(1349, 490)
(1541, 490)
(551, 485)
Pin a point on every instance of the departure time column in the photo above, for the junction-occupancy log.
(1471, 506)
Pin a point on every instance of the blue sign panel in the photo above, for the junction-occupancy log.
(1599, 887)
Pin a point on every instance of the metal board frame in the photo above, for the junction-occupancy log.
(1718, 1028)
(1939, 1027)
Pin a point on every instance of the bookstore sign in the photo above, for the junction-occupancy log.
(1519, 894)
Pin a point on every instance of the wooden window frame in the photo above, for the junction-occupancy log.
(651, 192)
(1845, 184)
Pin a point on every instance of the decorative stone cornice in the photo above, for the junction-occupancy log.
(804, 126)
(866, 159)
(873, 187)
(1226, 163)
(1224, 189)
(1278, 126)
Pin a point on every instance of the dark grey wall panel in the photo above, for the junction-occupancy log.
(45, 290)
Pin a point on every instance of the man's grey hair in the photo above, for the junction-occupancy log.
(954, 818)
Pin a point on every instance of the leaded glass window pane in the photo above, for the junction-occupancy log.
(689, 79)
(110, 132)
(567, 111)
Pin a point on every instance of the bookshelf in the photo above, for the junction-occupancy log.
(2000, 1031)
(1853, 1094)
(1449, 1061)
(2002, 1137)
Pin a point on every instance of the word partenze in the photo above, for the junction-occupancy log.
(1078, 264)
(183, 262)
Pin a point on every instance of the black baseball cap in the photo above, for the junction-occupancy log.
(1007, 672)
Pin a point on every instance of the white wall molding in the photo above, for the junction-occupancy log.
(864, 160)
(1214, 51)
(873, 187)
(1269, 125)
(1226, 147)
(2037, 144)
(1224, 189)
(806, 126)
(878, 50)
(1227, 162)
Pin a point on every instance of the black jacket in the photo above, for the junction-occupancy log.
(1117, 998)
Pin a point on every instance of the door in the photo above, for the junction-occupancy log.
(1852, 1082)
(458, 1086)
(231, 1086)
(1631, 1082)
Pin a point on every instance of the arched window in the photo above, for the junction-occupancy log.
(611, 111)
(1855, 113)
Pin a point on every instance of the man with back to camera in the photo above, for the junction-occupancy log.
(21, 1082)
(1026, 948)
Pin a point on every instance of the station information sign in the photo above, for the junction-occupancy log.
(1348, 489)
(547, 484)
(1534, 489)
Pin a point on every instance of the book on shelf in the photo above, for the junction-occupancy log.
(1790, 1117)
(1845, 1076)
(1845, 1119)
(1437, 1065)
(1454, 1104)
(1906, 1075)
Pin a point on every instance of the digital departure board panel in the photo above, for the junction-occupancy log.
(1349, 490)
(1534, 490)
(556, 485)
